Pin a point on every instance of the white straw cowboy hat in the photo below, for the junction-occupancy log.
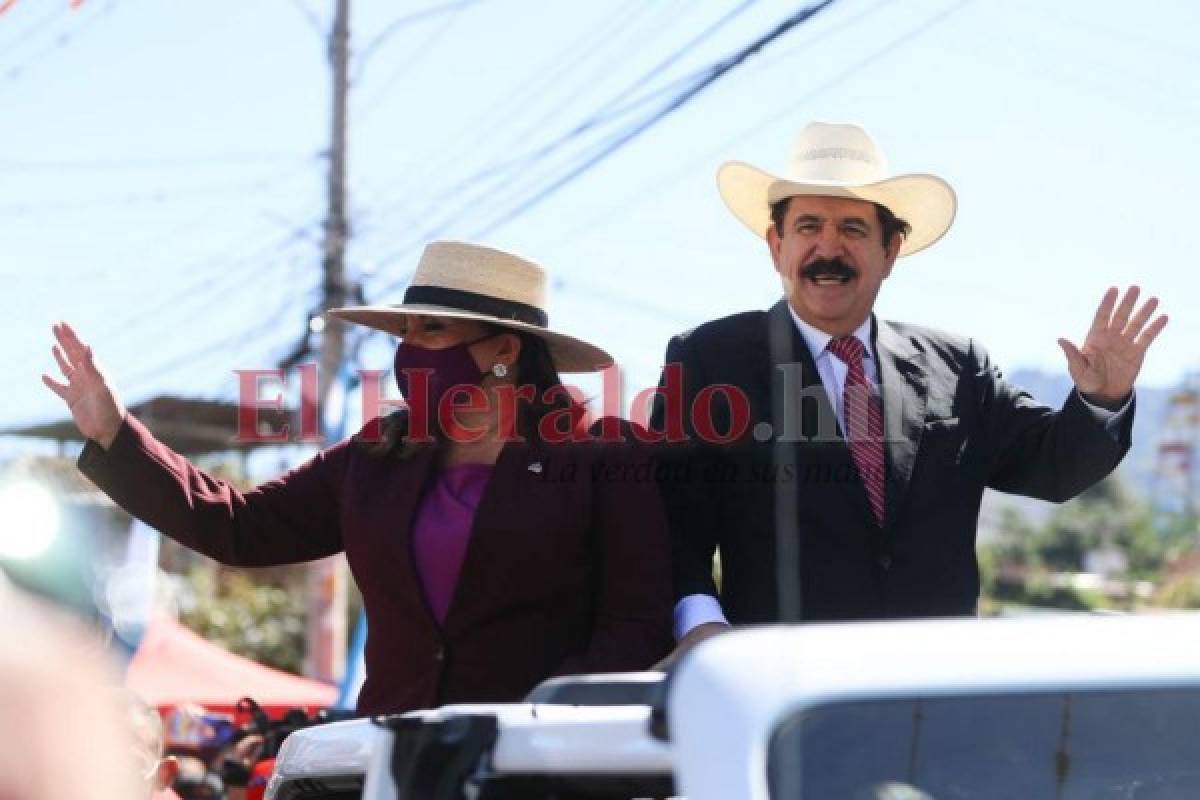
(469, 281)
(839, 160)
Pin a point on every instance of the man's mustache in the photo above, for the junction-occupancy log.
(828, 268)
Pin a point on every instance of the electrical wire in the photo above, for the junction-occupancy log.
(702, 80)
(398, 24)
(215, 277)
(622, 300)
(592, 79)
(615, 107)
(30, 34)
(608, 113)
(496, 176)
(756, 127)
(170, 317)
(124, 164)
(1096, 70)
(138, 381)
(139, 201)
(674, 58)
(1125, 35)
(12, 73)
(418, 54)
(655, 185)
(699, 81)
(310, 17)
(537, 85)
(713, 74)
(507, 178)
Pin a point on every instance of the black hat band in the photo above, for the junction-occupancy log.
(477, 303)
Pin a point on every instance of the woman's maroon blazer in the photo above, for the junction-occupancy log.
(566, 571)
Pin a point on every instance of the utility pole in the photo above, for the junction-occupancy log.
(326, 619)
(333, 340)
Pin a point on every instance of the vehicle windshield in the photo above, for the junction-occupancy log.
(1091, 745)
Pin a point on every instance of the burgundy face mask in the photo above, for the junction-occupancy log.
(443, 369)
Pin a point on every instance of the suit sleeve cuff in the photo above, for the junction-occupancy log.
(93, 457)
(1111, 420)
(694, 610)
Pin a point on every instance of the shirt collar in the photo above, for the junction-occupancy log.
(818, 340)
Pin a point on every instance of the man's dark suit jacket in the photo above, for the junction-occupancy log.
(953, 426)
(566, 570)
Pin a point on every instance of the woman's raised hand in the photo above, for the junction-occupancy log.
(97, 412)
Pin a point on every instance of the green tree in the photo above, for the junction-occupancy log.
(1183, 592)
(260, 620)
(1024, 558)
(1108, 515)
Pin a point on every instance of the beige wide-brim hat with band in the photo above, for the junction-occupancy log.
(840, 160)
(469, 281)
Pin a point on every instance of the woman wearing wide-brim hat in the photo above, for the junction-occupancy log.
(491, 550)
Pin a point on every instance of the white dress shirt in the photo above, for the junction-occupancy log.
(831, 368)
(698, 609)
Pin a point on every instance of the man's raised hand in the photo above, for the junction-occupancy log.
(1107, 365)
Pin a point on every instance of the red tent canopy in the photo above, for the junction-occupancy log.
(173, 665)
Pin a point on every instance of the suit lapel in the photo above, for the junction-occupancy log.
(754, 372)
(904, 385)
(799, 400)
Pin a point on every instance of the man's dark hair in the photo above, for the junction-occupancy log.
(889, 224)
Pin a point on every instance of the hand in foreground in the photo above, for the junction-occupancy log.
(97, 412)
(1105, 368)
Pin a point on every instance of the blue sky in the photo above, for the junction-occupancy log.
(161, 185)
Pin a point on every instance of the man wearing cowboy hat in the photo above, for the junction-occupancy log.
(863, 446)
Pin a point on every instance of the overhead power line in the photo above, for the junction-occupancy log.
(6, 5)
(310, 18)
(620, 51)
(687, 48)
(180, 162)
(13, 72)
(510, 177)
(212, 277)
(695, 84)
(20, 38)
(714, 74)
(400, 23)
(416, 55)
(539, 85)
(146, 198)
(615, 108)
(661, 181)
(270, 322)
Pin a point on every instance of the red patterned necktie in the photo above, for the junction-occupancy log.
(864, 421)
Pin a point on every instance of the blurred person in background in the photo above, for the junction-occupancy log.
(243, 770)
(196, 781)
(158, 771)
(494, 548)
(61, 737)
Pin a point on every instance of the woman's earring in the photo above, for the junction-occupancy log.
(499, 370)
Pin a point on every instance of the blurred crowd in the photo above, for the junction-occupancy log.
(58, 674)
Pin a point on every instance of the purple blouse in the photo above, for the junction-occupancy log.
(442, 529)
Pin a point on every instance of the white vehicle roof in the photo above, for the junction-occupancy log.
(531, 739)
(562, 739)
(728, 696)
